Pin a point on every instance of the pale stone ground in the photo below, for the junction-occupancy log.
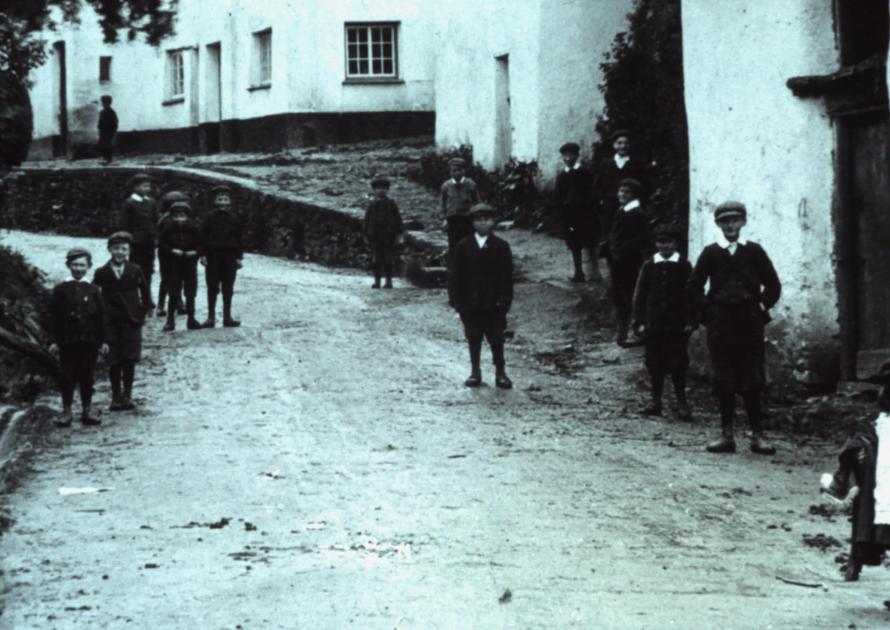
(385, 495)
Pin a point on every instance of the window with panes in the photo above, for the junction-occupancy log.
(371, 51)
(175, 74)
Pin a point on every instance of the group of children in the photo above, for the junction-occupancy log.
(107, 315)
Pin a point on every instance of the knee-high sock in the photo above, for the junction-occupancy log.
(752, 408)
(129, 372)
(114, 372)
(727, 409)
(679, 380)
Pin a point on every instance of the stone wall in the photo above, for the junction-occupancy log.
(86, 202)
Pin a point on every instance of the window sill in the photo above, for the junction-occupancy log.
(373, 81)
(176, 100)
(259, 86)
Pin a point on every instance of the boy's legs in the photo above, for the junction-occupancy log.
(143, 254)
(755, 421)
(494, 325)
(376, 262)
(678, 377)
(654, 360)
(128, 372)
(388, 256)
(578, 263)
(474, 334)
(86, 376)
(164, 283)
(175, 273)
(68, 371)
(212, 279)
(190, 288)
(228, 273)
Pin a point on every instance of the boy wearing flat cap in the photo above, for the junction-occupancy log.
(458, 195)
(383, 229)
(663, 318)
(628, 244)
(480, 288)
(180, 240)
(77, 316)
(139, 217)
(167, 199)
(574, 197)
(127, 300)
(221, 254)
(743, 287)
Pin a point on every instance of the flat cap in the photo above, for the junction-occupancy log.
(77, 252)
(619, 133)
(730, 209)
(570, 147)
(456, 161)
(120, 237)
(482, 208)
(630, 182)
(666, 229)
(138, 178)
(221, 189)
(171, 196)
(180, 206)
(379, 182)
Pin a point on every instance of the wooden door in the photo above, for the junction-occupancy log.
(869, 173)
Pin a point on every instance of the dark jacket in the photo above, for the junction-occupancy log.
(127, 298)
(107, 122)
(574, 193)
(185, 236)
(629, 236)
(481, 279)
(221, 233)
(383, 220)
(745, 278)
(139, 217)
(77, 314)
(608, 176)
(660, 298)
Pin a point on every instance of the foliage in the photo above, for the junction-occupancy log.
(23, 22)
(643, 90)
(510, 189)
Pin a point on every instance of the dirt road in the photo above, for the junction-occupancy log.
(323, 467)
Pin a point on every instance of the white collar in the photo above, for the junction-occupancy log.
(722, 242)
(454, 181)
(573, 167)
(481, 240)
(631, 205)
(621, 160)
(658, 258)
(83, 280)
(136, 197)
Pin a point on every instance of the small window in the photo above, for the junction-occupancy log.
(105, 69)
(175, 74)
(262, 58)
(371, 51)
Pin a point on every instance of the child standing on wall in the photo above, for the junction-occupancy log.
(743, 287)
(127, 299)
(458, 195)
(383, 229)
(663, 319)
(77, 317)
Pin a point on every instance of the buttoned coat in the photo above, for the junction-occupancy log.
(481, 279)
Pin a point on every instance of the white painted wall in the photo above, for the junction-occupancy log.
(308, 64)
(752, 140)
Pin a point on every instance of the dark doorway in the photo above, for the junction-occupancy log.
(60, 145)
(213, 99)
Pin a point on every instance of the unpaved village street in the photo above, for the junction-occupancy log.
(323, 467)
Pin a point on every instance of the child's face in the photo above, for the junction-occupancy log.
(222, 201)
(626, 194)
(120, 252)
(144, 188)
(457, 172)
(732, 227)
(666, 246)
(380, 192)
(79, 267)
(621, 146)
(569, 159)
(483, 224)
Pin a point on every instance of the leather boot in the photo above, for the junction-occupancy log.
(475, 379)
(761, 446)
(726, 444)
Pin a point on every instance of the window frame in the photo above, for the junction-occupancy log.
(105, 68)
(175, 75)
(260, 81)
(371, 76)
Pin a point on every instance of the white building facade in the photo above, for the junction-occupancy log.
(241, 75)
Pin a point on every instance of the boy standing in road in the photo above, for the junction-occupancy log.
(743, 288)
(107, 129)
(221, 254)
(139, 217)
(180, 240)
(627, 245)
(127, 299)
(664, 320)
(574, 197)
(383, 229)
(480, 288)
(458, 195)
(167, 199)
(77, 317)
